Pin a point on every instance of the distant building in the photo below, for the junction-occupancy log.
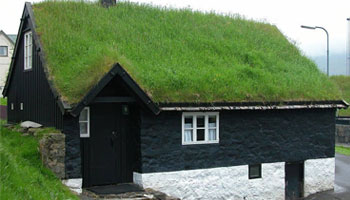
(7, 43)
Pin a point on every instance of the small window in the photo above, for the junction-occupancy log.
(21, 105)
(12, 106)
(28, 50)
(254, 171)
(3, 51)
(84, 123)
(200, 128)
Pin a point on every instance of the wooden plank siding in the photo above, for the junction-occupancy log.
(32, 89)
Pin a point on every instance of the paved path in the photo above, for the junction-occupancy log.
(342, 181)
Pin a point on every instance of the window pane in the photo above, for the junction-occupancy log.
(212, 134)
(3, 51)
(83, 115)
(212, 121)
(200, 121)
(30, 39)
(254, 171)
(30, 62)
(188, 136)
(83, 127)
(200, 134)
(189, 122)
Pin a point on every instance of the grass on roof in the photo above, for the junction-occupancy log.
(343, 82)
(175, 55)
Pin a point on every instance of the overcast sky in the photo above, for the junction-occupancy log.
(287, 15)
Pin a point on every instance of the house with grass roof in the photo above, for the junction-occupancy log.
(196, 105)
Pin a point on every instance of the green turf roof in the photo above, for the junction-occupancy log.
(175, 55)
(343, 82)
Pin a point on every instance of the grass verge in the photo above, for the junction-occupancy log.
(22, 175)
(343, 150)
(3, 101)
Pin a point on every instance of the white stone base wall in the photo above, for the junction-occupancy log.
(318, 175)
(218, 183)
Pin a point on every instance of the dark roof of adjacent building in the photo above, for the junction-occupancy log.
(13, 37)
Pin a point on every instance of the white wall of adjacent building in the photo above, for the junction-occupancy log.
(233, 182)
(5, 60)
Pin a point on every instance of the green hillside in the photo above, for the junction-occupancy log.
(175, 55)
(22, 174)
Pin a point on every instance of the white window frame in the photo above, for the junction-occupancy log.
(88, 124)
(206, 132)
(28, 50)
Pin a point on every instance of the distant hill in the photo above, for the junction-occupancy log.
(337, 63)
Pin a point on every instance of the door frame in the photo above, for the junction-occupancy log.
(125, 136)
(300, 165)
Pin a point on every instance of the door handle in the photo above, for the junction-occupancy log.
(113, 137)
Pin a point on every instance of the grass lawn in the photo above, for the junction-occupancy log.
(343, 150)
(175, 55)
(3, 101)
(343, 83)
(22, 176)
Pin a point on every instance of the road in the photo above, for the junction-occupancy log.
(342, 181)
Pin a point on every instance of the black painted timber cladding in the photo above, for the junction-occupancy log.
(246, 137)
(32, 89)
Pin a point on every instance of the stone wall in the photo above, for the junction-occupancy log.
(318, 175)
(246, 137)
(72, 150)
(218, 183)
(342, 134)
(52, 151)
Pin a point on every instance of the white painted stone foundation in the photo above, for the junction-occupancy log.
(218, 183)
(318, 175)
(74, 184)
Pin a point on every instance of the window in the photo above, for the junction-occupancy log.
(12, 106)
(21, 106)
(84, 122)
(200, 128)
(28, 50)
(3, 51)
(254, 171)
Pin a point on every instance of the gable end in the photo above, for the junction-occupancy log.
(28, 14)
(117, 69)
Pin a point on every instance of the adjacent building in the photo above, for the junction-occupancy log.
(7, 43)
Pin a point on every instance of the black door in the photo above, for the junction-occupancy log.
(294, 179)
(105, 144)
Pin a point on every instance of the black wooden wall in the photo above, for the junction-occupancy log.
(246, 137)
(32, 89)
